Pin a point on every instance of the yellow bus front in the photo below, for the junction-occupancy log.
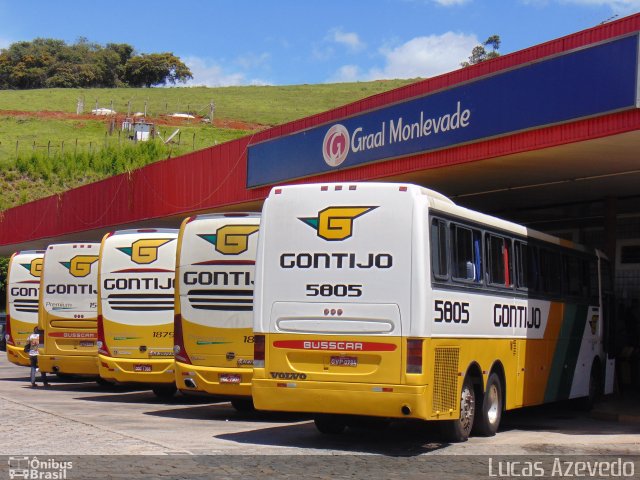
(135, 308)
(214, 304)
(23, 290)
(68, 309)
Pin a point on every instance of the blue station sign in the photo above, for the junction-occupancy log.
(586, 82)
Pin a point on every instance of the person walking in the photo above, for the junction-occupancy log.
(33, 342)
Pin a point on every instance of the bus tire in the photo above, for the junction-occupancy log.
(104, 383)
(243, 404)
(490, 410)
(330, 424)
(165, 392)
(595, 388)
(458, 430)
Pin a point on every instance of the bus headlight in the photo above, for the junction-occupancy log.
(176, 349)
(99, 344)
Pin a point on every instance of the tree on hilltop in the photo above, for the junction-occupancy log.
(49, 63)
(480, 53)
(156, 69)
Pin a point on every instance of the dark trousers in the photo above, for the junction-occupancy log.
(34, 365)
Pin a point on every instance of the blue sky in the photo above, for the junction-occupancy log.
(285, 42)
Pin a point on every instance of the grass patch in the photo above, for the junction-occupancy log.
(266, 105)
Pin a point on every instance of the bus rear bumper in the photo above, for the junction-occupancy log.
(207, 379)
(134, 370)
(17, 356)
(69, 364)
(391, 401)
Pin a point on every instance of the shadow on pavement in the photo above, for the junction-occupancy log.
(129, 394)
(401, 439)
(562, 417)
(225, 412)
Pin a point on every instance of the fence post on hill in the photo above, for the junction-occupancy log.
(62, 149)
(90, 147)
(128, 108)
(17, 143)
(193, 143)
(75, 150)
(166, 108)
(212, 109)
(34, 145)
(48, 148)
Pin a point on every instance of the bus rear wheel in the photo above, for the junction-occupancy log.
(490, 411)
(330, 424)
(165, 392)
(459, 430)
(596, 387)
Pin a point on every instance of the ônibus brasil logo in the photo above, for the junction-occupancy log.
(34, 267)
(335, 146)
(145, 250)
(231, 239)
(80, 265)
(335, 223)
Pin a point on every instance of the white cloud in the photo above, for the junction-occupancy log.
(349, 39)
(253, 60)
(449, 3)
(209, 74)
(419, 57)
(622, 7)
(5, 42)
(346, 73)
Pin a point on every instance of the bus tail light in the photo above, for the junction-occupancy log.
(179, 351)
(258, 351)
(7, 335)
(414, 355)
(101, 343)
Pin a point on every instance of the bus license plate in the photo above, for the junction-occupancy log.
(142, 367)
(87, 344)
(344, 361)
(230, 378)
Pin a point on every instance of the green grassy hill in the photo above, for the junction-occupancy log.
(46, 148)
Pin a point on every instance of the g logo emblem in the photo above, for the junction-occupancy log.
(80, 265)
(145, 251)
(335, 145)
(231, 239)
(35, 267)
(336, 223)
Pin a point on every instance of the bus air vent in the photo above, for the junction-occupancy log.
(445, 379)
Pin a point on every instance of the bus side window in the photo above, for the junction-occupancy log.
(551, 272)
(439, 250)
(467, 254)
(498, 260)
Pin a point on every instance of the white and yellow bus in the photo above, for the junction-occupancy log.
(213, 327)
(389, 300)
(135, 308)
(68, 309)
(23, 290)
